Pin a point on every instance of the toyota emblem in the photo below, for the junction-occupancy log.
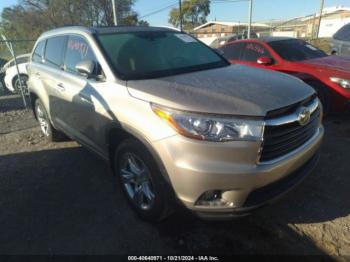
(304, 116)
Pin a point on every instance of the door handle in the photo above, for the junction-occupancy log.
(61, 87)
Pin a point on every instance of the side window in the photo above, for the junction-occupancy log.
(54, 51)
(77, 51)
(253, 51)
(232, 51)
(38, 52)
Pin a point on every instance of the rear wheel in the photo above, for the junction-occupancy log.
(141, 180)
(45, 125)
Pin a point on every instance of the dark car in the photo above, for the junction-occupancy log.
(341, 41)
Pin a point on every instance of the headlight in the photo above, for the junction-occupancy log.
(342, 82)
(211, 128)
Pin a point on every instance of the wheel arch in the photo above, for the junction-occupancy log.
(116, 133)
(33, 97)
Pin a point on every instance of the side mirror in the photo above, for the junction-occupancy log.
(87, 68)
(265, 60)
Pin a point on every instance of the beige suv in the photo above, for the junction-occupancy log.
(177, 122)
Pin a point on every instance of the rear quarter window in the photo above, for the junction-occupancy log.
(39, 52)
(232, 51)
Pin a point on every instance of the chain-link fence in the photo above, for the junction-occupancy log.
(14, 58)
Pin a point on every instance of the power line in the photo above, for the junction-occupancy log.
(159, 10)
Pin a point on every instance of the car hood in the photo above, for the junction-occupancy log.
(234, 90)
(330, 62)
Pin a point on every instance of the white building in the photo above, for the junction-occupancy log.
(333, 18)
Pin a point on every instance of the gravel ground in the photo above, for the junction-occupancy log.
(57, 198)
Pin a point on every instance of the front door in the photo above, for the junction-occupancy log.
(80, 95)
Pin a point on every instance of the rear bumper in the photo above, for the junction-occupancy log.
(267, 194)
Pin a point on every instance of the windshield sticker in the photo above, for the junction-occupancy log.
(185, 38)
(78, 46)
(311, 47)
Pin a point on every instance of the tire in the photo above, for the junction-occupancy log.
(16, 84)
(324, 95)
(46, 127)
(151, 192)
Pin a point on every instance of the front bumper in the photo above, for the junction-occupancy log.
(268, 194)
(195, 167)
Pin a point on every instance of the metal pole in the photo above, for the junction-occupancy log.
(114, 12)
(319, 21)
(180, 10)
(250, 18)
(313, 27)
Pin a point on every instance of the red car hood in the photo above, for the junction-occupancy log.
(330, 62)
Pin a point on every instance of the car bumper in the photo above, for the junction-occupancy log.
(195, 167)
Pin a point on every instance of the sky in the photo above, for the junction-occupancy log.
(263, 10)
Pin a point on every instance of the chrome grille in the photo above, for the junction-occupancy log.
(284, 134)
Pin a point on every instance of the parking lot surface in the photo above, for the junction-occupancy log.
(58, 198)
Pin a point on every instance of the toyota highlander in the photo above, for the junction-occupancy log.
(176, 121)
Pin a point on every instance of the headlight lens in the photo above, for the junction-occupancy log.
(211, 128)
(344, 83)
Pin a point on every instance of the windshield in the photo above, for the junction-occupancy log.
(141, 55)
(296, 50)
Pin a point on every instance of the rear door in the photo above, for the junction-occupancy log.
(36, 65)
(50, 72)
(232, 51)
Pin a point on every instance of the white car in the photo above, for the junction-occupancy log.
(11, 79)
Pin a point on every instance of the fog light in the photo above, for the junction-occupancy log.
(212, 198)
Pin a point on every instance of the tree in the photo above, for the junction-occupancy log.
(194, 13)
(30, 18)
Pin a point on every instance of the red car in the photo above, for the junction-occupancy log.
(328, 75)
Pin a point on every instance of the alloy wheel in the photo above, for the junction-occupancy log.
(136, 179)
(44, 124)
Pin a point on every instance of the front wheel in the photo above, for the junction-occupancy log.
(323, 94)
(141, 180)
